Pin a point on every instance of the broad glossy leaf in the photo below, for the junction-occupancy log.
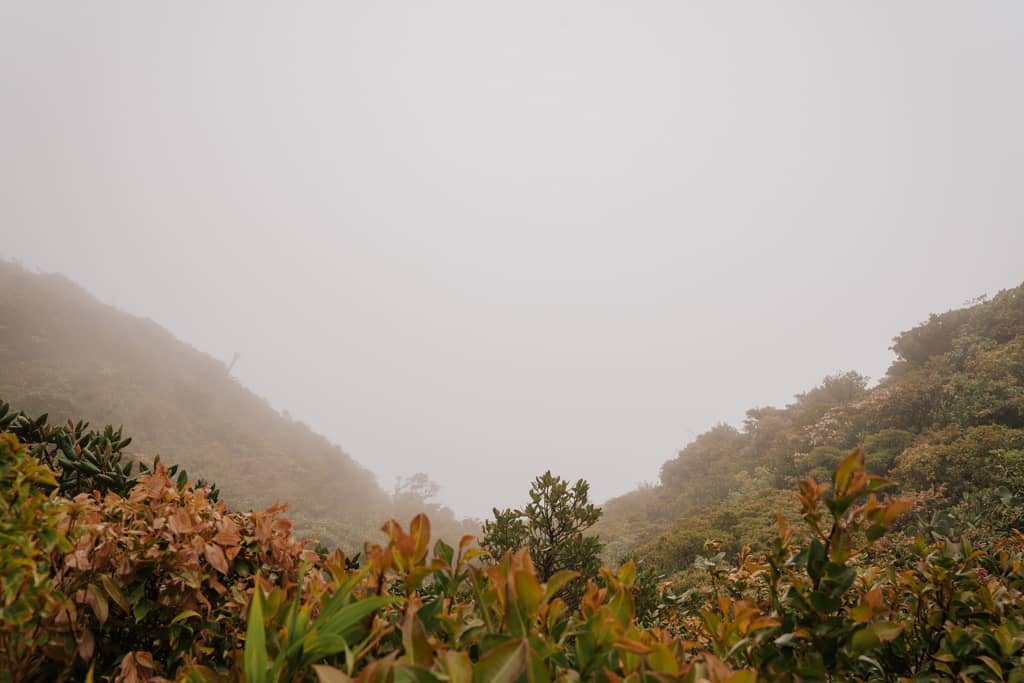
(503, 664)
(255, 655)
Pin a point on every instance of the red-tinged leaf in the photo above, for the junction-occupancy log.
(215, 556)
(145, 659)
(474, 553)
(993, 665)
(98, 601)
(86, 645)
(419, 530)
(848, 468)
(414, 640)
(634, 646)
(872, 604)
(115, 593)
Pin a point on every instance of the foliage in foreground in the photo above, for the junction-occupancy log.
(161, 582)
(551, 527)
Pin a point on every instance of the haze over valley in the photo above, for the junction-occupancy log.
(452, 236)
(461, 342)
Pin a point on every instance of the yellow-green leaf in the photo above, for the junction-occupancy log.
(557, 582)
(458, 666)
(255, 656)
(503, 664)
(115, 593)
(328, 674)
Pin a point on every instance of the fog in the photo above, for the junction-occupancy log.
(481, 240)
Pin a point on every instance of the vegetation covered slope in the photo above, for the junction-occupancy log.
(112, 571)
(64, 353)
(111, 574)
(947, 419)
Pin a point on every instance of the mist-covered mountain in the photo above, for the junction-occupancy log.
(65, 353)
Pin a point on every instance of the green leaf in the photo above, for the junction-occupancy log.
(503, 664)
(557, 582)
(887, 630)
(815, 560)
(529, 591)
(873, 635)
(187, 614)
(255, 656)
(444, 551)
(537, 671)
(824, 604)
(345, 619)
(662, 660)
(141, 609)
(331, 633)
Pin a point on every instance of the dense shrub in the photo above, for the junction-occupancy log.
(32, 532)
(165, 583)
(552, 528)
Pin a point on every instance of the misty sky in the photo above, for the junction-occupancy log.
(486, 239)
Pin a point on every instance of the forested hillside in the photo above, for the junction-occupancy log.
(900, 556)
(947, 420)
(64, 353)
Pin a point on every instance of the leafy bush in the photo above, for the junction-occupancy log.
(31, 534)
(165, 582)
(551, 527)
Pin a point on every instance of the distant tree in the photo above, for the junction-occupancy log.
(552, 526)
(834, 390)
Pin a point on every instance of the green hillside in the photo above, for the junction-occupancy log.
(947, 419)
(64, 353)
